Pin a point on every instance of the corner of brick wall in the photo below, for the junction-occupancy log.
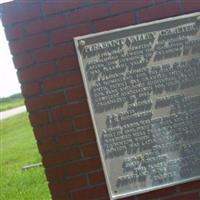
(40, 35)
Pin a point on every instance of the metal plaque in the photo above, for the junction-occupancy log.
(143, 88)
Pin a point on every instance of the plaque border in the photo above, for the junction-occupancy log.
(76, 42)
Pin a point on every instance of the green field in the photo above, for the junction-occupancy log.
(17, 149)
(11, 102)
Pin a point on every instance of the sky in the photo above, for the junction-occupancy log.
(9, 83)
(4, 1)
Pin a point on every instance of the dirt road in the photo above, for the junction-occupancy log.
(12, 112)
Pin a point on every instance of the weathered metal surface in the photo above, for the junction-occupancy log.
(143, 89)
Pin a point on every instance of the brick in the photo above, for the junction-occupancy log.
(130, 198)
(8, 6)
(76, 93)
(83, 121)
(90, 2)
(52, 129)
(55, 52)
(39, 118)
(14, 32)
(75, 182)
(68, 63)
(91, 193)
(79, 108)
(189, 186)
(191, 196)
(39, 102)
(76, 138)
(191, 5)
(107, 198)
(62, 81)
(69, 110)
(90, 150)
(159, 11)
(22, 60)
(96, 177)
(66, 197)
(47, 145)
(58, 117)
(127, 5)
(46, 24)
(28, 43)
(158, 193)
(57, 7)
(66, 34)
(27, 2)
(115, 22)
(36, 72)
(160, 1)
(69, 184)
(88, 14)
(61, 156)
(60, 112)
(21, 13)
(57, 190)
(30, 89)
(55, 173)
(83, 166)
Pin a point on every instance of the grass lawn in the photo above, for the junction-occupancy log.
(11, 102)
(17, 149)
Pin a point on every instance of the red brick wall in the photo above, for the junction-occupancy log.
(40, 35)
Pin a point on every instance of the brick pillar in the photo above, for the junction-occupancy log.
(40, 35)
